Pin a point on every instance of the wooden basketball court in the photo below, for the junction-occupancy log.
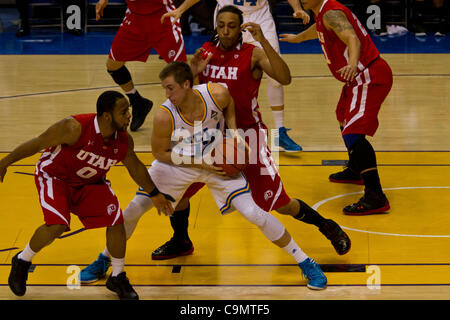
(400, 255)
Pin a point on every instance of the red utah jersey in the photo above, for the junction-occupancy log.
(336, 51)
(234, 68)
(89, 159)
(146, 7)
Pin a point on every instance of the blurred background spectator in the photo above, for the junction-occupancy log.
(23, 7)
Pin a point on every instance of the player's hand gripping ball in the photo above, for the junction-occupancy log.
(230, 155)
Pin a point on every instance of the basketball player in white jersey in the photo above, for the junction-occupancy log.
(179, 162)
(258, 11)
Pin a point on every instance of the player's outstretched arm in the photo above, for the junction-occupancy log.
(99, 7)
(308, 34)
(337, 21)
(298, 11)
(178, 12)
(138, 172)
(66, 131)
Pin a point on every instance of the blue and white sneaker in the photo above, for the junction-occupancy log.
(96, 270)
(311, 270)
(286, 143)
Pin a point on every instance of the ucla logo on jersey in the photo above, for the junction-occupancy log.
(216, 72)
(214, 115)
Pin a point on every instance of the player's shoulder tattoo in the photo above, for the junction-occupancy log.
(337, 20)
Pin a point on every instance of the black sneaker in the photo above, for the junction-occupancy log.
(442, 29)
(339, 239)
(18, 276)
(120, 285)
(346, 176)
(420, 30)
(23, 31)
(140, 109)
(382, 31)
(370, 203)
(172, 249)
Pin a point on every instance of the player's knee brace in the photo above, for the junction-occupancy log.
(134, 211)
(362, 155)
(120, 76)
(270, 226)
(275, 93)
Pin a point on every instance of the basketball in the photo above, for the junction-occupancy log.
(230, 155)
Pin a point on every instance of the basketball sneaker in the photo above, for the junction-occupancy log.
(140, 108)
(339, 239)
(172, 249)
(96, 270)
(18, 276)
(346, 176)
(311, 270)
(286, 143)
(370, 203)
(121, 285)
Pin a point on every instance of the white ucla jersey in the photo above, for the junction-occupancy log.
(193, 139)
(246, 6)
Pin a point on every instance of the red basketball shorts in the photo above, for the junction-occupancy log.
(96, 205)
(139, 34)
(360, 101)
(262, 175)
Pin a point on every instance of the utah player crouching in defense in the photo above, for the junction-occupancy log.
(353, 58)
(212, 106)
(70, 176)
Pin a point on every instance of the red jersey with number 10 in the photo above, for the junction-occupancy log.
(89, 159)
(234, 68)
(336, 51)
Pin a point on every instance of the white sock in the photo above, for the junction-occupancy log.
(294, 250)
(27, 254)
(117, 266)
(106, 253)
(278, 118)
(131, 91)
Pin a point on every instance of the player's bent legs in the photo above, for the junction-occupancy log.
(140, 105)
(45, 235)
(125, 82)
(116, 239)
(134, 211)
(328, 227)
(274, 230)
(21, 262)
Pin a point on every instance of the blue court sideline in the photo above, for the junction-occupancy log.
(51, 41)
